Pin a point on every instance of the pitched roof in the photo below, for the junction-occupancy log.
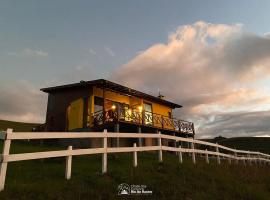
(102, 83)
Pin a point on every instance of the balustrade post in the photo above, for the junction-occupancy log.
(162, 122)
(143, 117)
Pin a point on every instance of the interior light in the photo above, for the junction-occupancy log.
(140, 108)
(113, 107)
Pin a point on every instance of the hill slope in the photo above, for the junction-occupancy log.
(44, 179)
(261, 144)
(16, 126)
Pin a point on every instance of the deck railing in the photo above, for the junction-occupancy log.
(143, 118)
(209, 150)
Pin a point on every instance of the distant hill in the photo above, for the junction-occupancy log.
(16, 126)
(261, 144)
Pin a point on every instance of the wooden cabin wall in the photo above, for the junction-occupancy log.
(58, 102)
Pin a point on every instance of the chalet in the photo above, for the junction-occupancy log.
(101, 104)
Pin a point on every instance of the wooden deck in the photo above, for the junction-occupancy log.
(145, 119)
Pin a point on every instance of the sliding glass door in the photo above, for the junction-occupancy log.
(148, 113)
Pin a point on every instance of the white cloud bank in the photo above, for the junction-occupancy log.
(213, 71)
(22, 102)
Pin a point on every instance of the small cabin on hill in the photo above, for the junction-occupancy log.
(101, 104)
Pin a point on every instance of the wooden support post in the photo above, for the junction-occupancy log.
(68, 164)
(206, 157)
(139, 139)
(135, 160)
(117, 130)
(180, 155)
(218, 157)
(193, 153)
(175, 143)
(104, 155)
(3, 163)
(160, 159)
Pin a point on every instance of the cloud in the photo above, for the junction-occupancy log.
(29, 53)
(236, 124)
(109, 51)
(210, 69)
(23, 102)
(92, 51)
(79, 67)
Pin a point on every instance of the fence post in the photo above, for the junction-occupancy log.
(235, 156)
(218, 157)
(249, 159)
(193, 153)
(3, 163)
(68, 164)
(135, 161)
(254, 159)
(180, 155)
(229, 159)
(206, 156)
(160, 148)
(104, 155)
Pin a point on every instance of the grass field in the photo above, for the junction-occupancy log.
(16, 126)
(44, 179)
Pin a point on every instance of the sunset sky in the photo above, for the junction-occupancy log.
(212, 57)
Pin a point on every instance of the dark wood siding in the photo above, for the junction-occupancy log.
(58, 103)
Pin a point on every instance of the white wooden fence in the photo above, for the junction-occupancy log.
(231, 154)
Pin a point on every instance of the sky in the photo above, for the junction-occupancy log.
(210, 56)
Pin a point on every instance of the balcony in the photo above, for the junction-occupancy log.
(143, 118)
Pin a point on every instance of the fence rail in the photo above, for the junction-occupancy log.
(228, 153)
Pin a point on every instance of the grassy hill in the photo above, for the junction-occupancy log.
(16, 126)
(44, 179)
(261, 144)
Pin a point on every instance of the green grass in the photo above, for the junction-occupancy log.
(44, 179)
(16, 126)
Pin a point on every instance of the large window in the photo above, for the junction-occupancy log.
(148, 113)
(98, 104)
